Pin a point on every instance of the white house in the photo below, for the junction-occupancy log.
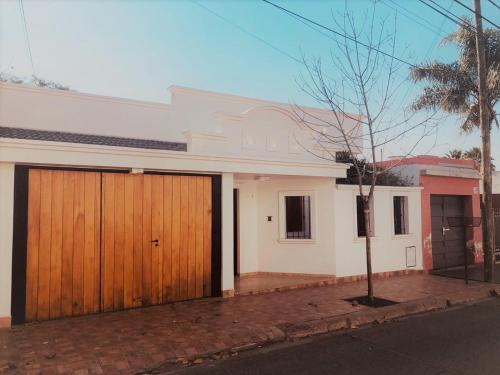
(109, 203)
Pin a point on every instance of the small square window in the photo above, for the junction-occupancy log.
(400, 215)
(361, 218)
(298, 217)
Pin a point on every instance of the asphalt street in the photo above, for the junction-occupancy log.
(462, 340)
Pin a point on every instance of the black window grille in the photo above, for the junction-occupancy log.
(298, 217)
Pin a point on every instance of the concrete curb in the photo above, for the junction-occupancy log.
(383, 314)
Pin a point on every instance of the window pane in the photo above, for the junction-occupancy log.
(361, 217)
(298, 217)
(400, 215)
(398, 218)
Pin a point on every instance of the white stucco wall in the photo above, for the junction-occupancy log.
(6, 226)
(388, 252)
(261, 249)
(76, 112)
(496, 182)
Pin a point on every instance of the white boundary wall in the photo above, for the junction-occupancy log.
(388, 250)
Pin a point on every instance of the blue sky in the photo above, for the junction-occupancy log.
(136, 49)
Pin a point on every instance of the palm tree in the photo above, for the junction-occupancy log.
(454, 154)
(473, 154)
(453, 87)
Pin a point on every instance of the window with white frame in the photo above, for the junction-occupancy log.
(296, 216)
(360, 218)
(400, 205)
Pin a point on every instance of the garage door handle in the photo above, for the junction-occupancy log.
(445, 230)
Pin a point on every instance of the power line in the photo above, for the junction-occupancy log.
(415, 17)
(457, 21)
(245, 31)
(26, 34)
(453, 16)
(473, 11)
(289, 12)
(491, 1)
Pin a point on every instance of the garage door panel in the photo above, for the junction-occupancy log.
(184, 240)
(67, 244)
(109, 220)
(119, 241)
(33, 241)
(44, 245)
(156, 234)
(138, 241)
(56, 245)
(146, 245)
(192, 238)
(62, 213)
(166, 280)
(128, 245)
(78, 245)
(176, 238)
(91, 261)
(199, 237)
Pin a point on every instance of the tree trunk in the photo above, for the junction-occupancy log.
(368, 244)
(486, 199)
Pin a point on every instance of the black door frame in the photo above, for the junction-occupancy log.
(236, 231)
(20, 230)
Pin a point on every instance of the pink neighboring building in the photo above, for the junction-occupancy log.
(450, 193)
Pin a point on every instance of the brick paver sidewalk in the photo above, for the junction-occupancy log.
(128, 342)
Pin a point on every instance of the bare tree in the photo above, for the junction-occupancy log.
(365, 113)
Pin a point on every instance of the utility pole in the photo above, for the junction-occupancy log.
(486, 199)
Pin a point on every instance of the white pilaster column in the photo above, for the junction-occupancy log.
(6, 227)
(227, 233)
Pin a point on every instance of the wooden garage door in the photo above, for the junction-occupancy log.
(156, 239)
(62, 265)
(109, 241)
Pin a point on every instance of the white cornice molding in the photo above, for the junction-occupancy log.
(41, 152)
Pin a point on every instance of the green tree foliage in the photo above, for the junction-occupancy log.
(33, 80)
(384, 177)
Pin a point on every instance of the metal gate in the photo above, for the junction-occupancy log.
(447, 242)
